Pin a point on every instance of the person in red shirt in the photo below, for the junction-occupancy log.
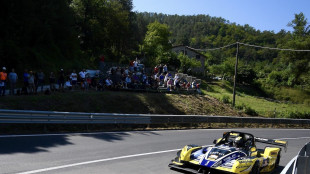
(101, 63)
(3, 79)
(156, 70)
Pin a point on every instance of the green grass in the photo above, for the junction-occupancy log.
(217, 102)
(119, 102)
(262, 106)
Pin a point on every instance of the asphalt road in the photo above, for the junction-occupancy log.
(119, 152)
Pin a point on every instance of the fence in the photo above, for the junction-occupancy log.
(299, 164)
(51, 117)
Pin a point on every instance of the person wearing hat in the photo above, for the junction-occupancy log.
(3, 79)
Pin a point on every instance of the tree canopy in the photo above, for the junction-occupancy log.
(73, 33)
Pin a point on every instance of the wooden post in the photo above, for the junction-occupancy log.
(236, 67)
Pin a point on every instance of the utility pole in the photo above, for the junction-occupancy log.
(235, 78)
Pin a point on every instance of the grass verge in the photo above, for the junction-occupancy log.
(250, 102)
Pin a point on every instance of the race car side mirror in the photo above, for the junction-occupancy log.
(214, 141)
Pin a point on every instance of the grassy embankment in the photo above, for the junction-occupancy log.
(119, 102)
(251, 101)
(216, 102)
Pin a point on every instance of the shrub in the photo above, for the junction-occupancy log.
(307, 102)
(248, 110)
(225, 99)
(299, 115)
(241, 107)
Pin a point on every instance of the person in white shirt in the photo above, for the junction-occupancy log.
(135, 65)
(82, 74)
(73, 78)
(83, 78)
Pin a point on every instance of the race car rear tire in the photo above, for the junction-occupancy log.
(255, 169)
(278, 160)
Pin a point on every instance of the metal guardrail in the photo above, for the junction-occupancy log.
(300, 164)
(51, 117)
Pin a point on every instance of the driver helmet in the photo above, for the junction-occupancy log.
(238, 142)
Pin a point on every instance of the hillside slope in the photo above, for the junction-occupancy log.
(120, 102)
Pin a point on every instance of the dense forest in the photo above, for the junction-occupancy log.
(53, 34)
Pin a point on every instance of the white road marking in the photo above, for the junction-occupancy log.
(95, 161)
(100, 160)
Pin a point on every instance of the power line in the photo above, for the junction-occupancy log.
(211, 49)
(249, 45)
(280, 49)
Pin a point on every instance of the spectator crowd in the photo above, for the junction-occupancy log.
(133, 76)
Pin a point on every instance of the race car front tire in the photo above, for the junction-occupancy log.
(255, 169)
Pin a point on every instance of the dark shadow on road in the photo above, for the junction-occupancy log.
(41, 143)
(117, 136)
(278, 170)
(109, 137)
(28, 144)
(147, 133)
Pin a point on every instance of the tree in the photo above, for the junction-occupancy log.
(37, 33)
(187, 63)
(103, 26)
(300, 25)
(156, 42)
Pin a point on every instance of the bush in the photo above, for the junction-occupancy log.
(299, 115)
(225, 99)
(248, 110)
(241, 107)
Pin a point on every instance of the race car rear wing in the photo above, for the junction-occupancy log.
(271, 141)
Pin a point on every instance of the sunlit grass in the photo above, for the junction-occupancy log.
(262, 106)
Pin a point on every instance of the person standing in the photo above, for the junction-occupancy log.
(3, 80)
(165, 69)
(41, 77)
(101, 63)
(52, 80)
(13, 80)
(73, 78)
(31, 83)
(26, 82)
(61, 80)
(83, 78)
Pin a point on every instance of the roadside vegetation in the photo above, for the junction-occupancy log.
(253, 101)
(120, 102)
(216, 100)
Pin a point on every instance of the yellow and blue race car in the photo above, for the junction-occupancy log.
(235, 152)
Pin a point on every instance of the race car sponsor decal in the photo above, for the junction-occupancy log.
(213, 157)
